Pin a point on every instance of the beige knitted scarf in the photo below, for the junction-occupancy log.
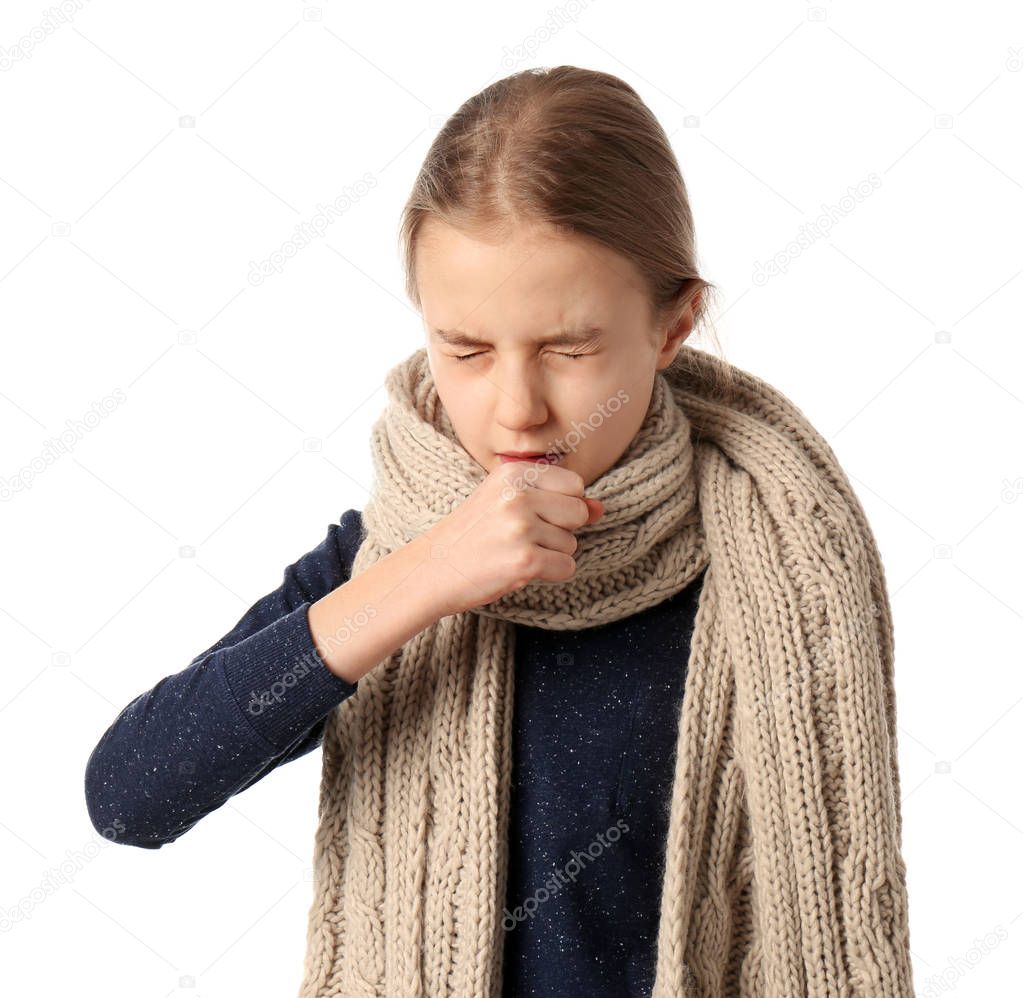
(783, 867)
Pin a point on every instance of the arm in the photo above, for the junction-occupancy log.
(358, 625)
(198, 737)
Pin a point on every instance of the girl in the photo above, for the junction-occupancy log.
(576, 518)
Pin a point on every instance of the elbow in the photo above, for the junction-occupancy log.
(107, 804)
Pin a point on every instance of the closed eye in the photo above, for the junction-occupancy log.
(479, 353)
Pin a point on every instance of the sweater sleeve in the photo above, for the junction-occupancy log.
(842, 855)
(252, 701)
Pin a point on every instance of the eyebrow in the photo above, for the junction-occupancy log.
(563, 338)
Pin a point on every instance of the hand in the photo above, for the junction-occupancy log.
(516, 526)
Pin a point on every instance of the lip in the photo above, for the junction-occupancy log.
(535, 456)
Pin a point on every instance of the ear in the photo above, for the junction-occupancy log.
(676, 333)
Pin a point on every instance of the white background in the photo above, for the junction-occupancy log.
(126, 239)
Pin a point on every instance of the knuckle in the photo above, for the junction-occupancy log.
(523, 562)
(513, 496)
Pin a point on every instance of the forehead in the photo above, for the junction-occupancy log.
(529, 277)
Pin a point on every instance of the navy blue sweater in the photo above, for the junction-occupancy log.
(595, 723)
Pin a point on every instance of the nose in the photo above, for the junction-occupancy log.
(520, 399)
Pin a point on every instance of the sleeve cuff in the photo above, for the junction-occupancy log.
(280, 682)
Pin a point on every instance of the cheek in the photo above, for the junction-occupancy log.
(462, 408)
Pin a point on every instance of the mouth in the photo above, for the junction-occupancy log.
(538, 458)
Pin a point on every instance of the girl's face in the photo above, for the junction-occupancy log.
(501, 307)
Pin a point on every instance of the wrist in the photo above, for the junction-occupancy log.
(427, 578)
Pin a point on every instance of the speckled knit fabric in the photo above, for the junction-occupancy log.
(783, 868)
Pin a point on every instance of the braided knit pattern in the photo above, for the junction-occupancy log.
(783, 870)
